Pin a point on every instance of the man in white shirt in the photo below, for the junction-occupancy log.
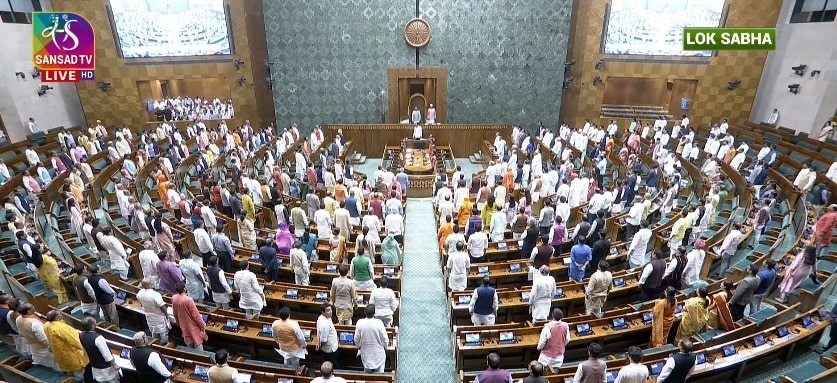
(832, 172)
(774, 117)
(327, 372)
(417, 131)
(458, 267)
(805, 179)
(116, 253)
(204, 242)
(384, 300)
(155, 311)
(540, 298)
(32, 126)
(553, 340)
(394, 224)
(445, 209)
(477, 244)
(639, 246)
(694, 264)
(327, 336)
(729, 246)
(372, 341)
(635, 372)
(680, 361)
(32, 156)
(724, 126)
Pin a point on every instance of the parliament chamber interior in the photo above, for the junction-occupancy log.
(431, 191)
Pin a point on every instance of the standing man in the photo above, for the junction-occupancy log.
(554, 339)
(766, 278)
(744, 293)
(431, 115)
(204, 242)
(31, 329)
(652, 277)
(593, 369)
(824, 230)
(64, 341)
(540, 298)
(634, 372)
(774, 117)
(99, 288)
(384, 300)
(102, 362)
(188, 318)
(484, 303)
(343, 296)
(250, 295)
(88, 302)
(458, 267)
(147, 362)
(193, 274)
(218, 286)
(289, 337)
(599, 285)
(32, 126)
(372, 341)
(116, 253)
(327, 336)
(155, 311)
(415, 117)
(729, 246)
(680, 366)
(299, 265)
(221, 372)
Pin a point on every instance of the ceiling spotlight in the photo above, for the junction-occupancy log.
(36, 73)
(103, 86)
(241, 80)
(793, 88)
(597, 80)
(238, 63)
(799, 70)
(600, 64)
(815, 73)
(21, 75)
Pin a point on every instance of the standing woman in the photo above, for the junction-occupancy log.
(804, 264)
(76, 219)
(663, 318)
(719, 315)
(309, 245)
(284, 239)
(164, 239)
(695, 315)
(246, 232)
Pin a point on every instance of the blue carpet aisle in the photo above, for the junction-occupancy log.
(425, 353)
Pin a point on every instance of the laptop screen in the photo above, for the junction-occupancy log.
(525, 296)
(201, 370)
(758, 340)
(700, 358)
(331, 268)
(656, 368)
(267, 329)
(307, 333)
(619, 282)
(678, 309)
(205, 318)
(729, 350)
(169, 363)
(619, 322)
(472, 337)
(515, 267)
(292, 293)
(583, 327)
(782, 331)
(559, 292)
(506, 336)
(482, 269)
(611, 376)
(647, 317)
(567, 261)
(389, 271)
(347, 337)
(322, 296)
(806, 321)
(463, 299)
(232, 323)
(125, 353)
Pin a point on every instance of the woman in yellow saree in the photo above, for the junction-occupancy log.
(663, 318)
(719, 315)
(51, 278)
(694, 316)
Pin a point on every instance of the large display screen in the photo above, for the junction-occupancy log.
(170, 28)
(655, 27)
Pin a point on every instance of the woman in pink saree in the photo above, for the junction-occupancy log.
(802, 266)
(284, 239)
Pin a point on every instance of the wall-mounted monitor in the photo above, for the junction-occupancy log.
(170, 28)
(655, 27)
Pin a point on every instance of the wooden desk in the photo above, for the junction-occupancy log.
(417, 161)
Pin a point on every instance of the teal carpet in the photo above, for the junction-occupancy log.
(425, 353)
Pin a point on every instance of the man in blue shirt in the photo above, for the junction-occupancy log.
(766, 278)
(580, 257)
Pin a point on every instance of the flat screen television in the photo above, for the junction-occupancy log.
(627, 34)
(170, 28)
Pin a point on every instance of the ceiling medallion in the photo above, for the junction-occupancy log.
(417, 33)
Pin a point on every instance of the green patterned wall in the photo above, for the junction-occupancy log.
(505, 58)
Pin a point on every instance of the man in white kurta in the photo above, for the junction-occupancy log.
(194, 279)
(415, 117)
(116, 253)
(155, 311)
(323, 221)
(341, 220)
(251, 296)
(579, 188)
(417, 132)
(148, 262)
(459, 263)
(639, 246)
(372, 341)
(543, 291)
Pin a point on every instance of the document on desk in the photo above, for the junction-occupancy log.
(123, 363)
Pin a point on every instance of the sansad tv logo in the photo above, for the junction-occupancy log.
(63, 47)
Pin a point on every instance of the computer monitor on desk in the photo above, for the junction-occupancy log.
(729, 350)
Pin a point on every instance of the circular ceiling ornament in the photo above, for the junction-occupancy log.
(417, 33)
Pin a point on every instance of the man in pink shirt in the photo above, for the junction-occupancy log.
(825, 229)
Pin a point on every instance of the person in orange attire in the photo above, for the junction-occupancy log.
(188, 318)
(445, 230)
(464, 213)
